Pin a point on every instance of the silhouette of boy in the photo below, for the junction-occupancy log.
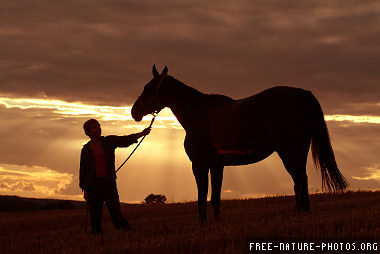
(97, 177)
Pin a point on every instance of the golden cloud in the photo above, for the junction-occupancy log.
(354, 119)
(373, 173)
(32, 180)
(104, 113)
(112, 113)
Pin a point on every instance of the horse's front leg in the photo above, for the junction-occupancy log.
(216, 183)
(201, 177)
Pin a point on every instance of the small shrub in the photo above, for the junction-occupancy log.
(155, 199)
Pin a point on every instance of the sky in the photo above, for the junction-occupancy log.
(64, 62)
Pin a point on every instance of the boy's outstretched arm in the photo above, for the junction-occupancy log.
(125, 141)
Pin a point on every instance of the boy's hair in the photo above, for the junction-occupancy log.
(86, 125)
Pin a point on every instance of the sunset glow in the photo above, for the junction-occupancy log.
(33, 180)
(103, 113)
(373, 174)
(60, 68)
(42, 181)
(354, 119)
(113, 113)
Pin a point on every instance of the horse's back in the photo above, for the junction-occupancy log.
(258, 120)
(270, 102)
(275, 96)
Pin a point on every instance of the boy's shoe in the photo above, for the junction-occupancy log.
(127, 227)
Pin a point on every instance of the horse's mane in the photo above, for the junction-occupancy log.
(187, 90)
(220, 97)
(192, 94)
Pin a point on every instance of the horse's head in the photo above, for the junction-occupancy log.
(148, 101)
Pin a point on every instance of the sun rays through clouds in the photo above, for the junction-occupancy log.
(51, 137)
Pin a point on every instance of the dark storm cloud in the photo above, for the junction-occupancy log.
(103, 51)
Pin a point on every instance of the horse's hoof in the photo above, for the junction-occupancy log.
(299, 209)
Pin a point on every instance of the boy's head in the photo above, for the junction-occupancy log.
(92, 128)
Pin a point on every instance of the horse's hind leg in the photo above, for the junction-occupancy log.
(301, 188)
(201, 177)
(216, 183)
(296, 166)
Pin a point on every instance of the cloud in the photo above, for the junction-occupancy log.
(354, 119)
(29, 181)
(47, 134)
(17, 187)
(103, 52)
(68, 109)
(372, 173)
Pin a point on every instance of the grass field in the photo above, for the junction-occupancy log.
(174, 228)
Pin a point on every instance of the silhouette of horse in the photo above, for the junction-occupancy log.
(221, 131)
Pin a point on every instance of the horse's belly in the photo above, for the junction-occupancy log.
(241, 157)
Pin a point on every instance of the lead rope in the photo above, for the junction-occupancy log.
(151, 123)
(87, 208)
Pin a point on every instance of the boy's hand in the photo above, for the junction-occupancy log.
(146, 131)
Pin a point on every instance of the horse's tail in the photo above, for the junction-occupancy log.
(323, 154)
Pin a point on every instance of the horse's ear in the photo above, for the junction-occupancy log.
(155, 72)
(165, 71)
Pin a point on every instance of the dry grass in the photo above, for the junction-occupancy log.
(174, 228)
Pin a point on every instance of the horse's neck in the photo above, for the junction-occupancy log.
(184, 101)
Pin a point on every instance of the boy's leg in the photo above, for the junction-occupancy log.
(95, 206)
(111, 197)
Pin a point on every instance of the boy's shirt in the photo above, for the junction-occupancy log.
(87, 171)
